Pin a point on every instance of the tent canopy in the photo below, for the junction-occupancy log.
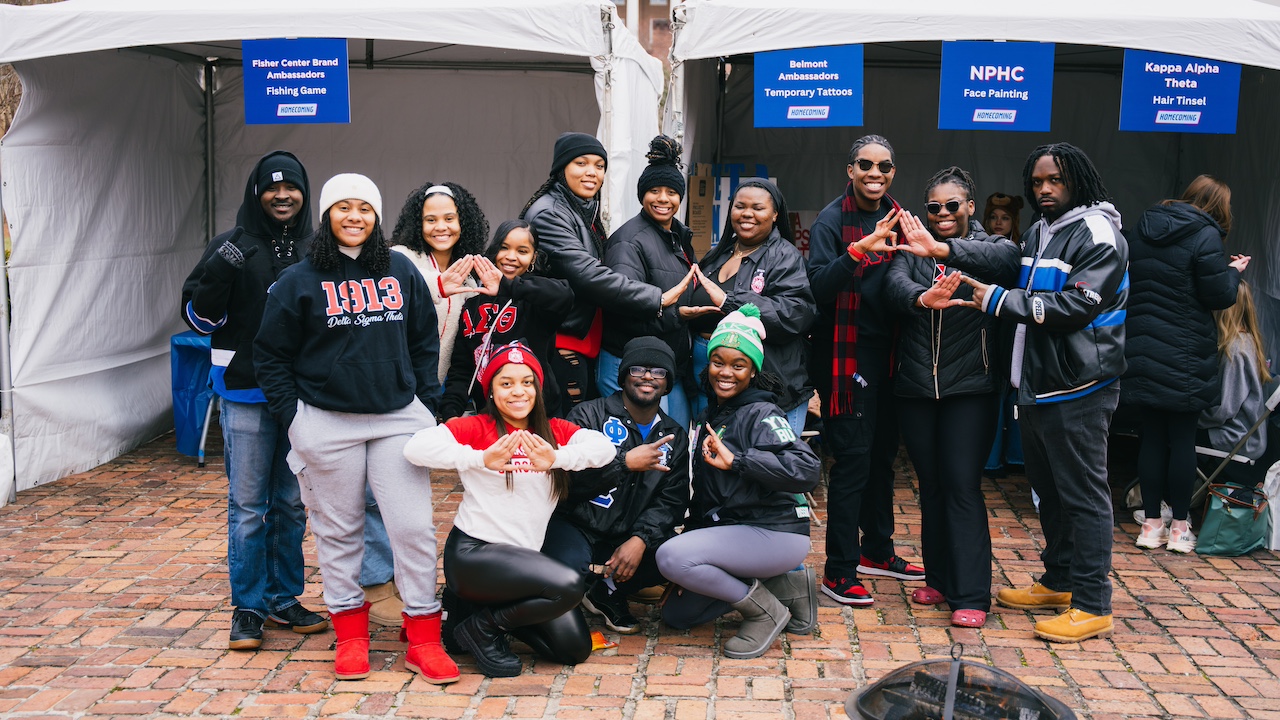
(1240, 31)
(106, 186)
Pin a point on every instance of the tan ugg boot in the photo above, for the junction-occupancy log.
(385, 606)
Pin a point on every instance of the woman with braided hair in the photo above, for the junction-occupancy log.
(656, 249)
(947, 386)
(564, 214)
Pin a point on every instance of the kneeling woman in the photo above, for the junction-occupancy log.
(744, 519)
(346, 356)
(514, 463)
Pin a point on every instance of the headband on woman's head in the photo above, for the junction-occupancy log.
(434, 189)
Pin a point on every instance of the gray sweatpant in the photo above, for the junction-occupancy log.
(334, 454)
(710, 561)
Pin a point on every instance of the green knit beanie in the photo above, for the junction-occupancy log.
(741, 330)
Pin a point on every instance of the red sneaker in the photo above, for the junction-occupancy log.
(846, 591)
(894, 567)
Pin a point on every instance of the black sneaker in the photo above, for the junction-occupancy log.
(613, 608)
(846, 591)
(246, 630)
(298, 619)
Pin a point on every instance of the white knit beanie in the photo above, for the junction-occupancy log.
(350, 186)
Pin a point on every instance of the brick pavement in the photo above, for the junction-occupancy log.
(114, 603)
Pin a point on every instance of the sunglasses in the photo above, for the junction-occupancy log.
(865, 165)
(935, 208)
(639, 371)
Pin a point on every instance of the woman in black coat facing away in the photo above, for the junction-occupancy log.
(1179, 274)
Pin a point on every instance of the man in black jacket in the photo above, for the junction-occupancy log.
(1068, 354)
(224, 296)
(645, 489)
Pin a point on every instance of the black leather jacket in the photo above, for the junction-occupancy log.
(643, 251)
(572, 255)
(613, 502)
(953, 351)
(786, 306)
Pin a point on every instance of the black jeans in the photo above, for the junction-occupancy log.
(860, 495)
(531, 595)
(1065, 445)
(948, 440)
(1167, 460)
(568, 544)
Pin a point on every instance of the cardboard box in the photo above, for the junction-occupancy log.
(700, 203)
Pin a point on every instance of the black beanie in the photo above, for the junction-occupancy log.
(279, 168)
(664, 167)
(570, 145)
(648, 352)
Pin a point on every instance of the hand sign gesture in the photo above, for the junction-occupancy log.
(883, 239)
(918, 240)
(498, 456)
(540, 453)
(672, 296)
(648, 456)
(939, 296)
(489, 274)
(714, 291)
(714, 452)
(980, 290)
(453, 280)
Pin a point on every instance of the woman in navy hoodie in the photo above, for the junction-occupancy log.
(347, 357)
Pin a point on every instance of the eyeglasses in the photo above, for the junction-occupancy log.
(640, 370)
(936, 208)
(865, 165)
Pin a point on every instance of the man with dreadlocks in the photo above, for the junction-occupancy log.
(1067, 355)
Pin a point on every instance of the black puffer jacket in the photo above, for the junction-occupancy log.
(614, 502)
(954, 351)
(643, 251)
(773, 278)
(227, 302)
(1178, 275)
(574, 256)
(770, 465)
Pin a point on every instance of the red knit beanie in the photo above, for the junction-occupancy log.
(511, 354)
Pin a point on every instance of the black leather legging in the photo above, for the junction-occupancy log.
(532, 596)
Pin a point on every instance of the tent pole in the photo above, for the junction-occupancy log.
(722, 80)
(210, 219)
(6, 379)
(606, 20)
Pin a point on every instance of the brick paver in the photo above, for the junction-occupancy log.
(114, 603)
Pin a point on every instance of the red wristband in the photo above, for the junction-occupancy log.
(853, 253)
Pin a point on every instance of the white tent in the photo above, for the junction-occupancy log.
(902, 42)
(106, 187)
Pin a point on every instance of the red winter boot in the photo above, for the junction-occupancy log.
(351, 656)
(426, 655)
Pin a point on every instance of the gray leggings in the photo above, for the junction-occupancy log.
(709, 564)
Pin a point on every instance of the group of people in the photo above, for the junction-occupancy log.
(623, 414)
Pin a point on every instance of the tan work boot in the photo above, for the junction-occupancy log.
(1033, 598)
(385, 606)
(1074, 625)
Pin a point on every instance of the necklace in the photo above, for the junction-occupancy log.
(739, 252)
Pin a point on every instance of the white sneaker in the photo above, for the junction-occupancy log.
(1166, 514)
(1183, 542)
(1152, 538)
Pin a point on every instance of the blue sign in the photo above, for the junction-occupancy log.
(1176, 93)
(296, 81)
(809, 87)
(996, 86)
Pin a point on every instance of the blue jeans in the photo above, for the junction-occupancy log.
(675, 403)
(265, 515)
(1008, 443)
(378, 565)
